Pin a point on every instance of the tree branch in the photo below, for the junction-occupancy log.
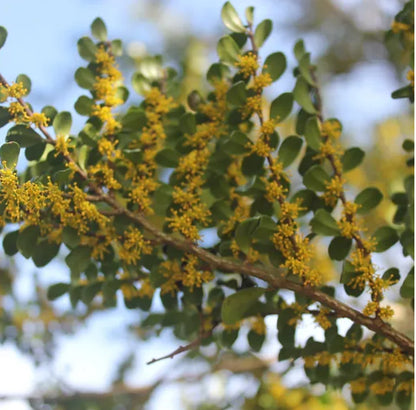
(275, 277)
(182, 349)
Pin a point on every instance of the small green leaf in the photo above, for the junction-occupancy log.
(262, 32)
(404, 92)
(85, 78)
(315, 178)
(3, 36)
(117, 47)
(78, 259)
(299, 50)
(228, 50)
(236, 305)
(252, 165)
(140, 83)
(231, 19)
(217, 72)
(24, 136)
(385, 237)
(99, 30)
(187, 123)
(90, 291)
(323, 223)
(244, 232)
(347, 278)
(255, 340)
(44, 252)
(281, 107)
(237, 94)
(35, 152)
(57, 290)
(302, 97)
(62, 123)
(238, 143)
(83, 105)
(352, 158)
(9, 153)
(408, 145)
(407, 289)
(289, 150)
(134, 120)
(27, 239)
(87, 49)
(339, 248)
(305, 68)
(407, 240)
(25, 80)
(9, 243)
(368, 199)
(5, 116)
(275, 65)
(167, 158)
(313, 133)
(392, 275)
(250, 14)
(70, 237)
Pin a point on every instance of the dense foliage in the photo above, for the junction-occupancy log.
(217, 207)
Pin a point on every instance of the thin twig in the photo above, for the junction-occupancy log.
(182, 349)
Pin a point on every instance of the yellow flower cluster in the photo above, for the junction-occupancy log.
(261, 81)
(258, 326)
(247, 64)
(143, 183)
(146, 288)
(252, 105)
(108, 149)
(385, 385)
(186, 273)
(133, 245)
(333, 190)
(61, 145)
(322, 318)
(348, 223)
(191, 168)
(104, 174)
(109, 78)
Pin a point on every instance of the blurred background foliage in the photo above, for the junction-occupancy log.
(344, 36)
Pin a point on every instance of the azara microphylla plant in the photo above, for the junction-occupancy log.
(130, 198)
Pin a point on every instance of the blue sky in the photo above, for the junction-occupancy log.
(42, 44)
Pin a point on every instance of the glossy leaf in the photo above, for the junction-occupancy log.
(323, 223)
(339, 248)
(368, 199)
(5, 116)
(237, 94)
(289, 150)
(315, 178)
(228, 50)
(3, 36)
(85, 78)
(9, 153)
(231, 19)
(99, 30)
(351, 158)
(281, 107)
(262, 32)
(236, 305)
(23, 135)
(385, 237)
(87, 49)
(302, 97)
(275, 65)
(62, 123)
(313, 133)
(57, 290)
